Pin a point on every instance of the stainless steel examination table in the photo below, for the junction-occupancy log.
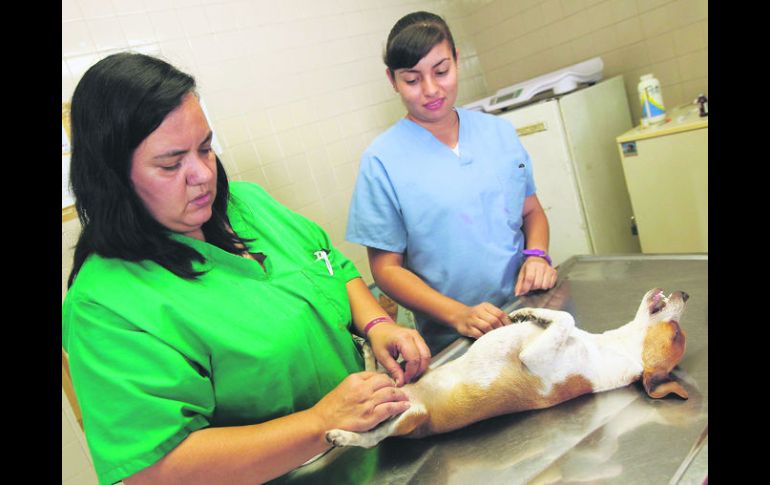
(619, 436)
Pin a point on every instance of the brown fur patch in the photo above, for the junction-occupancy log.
(664, 346)
(515, 390)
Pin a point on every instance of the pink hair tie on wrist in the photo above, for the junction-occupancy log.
(375, 322)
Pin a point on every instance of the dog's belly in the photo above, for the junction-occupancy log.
(487, 381)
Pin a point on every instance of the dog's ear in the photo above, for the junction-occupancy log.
(661, 384)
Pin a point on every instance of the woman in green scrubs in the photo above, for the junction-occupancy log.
(208, 327)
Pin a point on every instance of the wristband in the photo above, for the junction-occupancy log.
(538, 252)
(375, 322)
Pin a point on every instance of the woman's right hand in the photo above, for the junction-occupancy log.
(475, 321)
(360, 402)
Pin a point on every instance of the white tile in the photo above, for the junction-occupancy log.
(221, 17)
(67, 83)
(107, 33)
(123, 7)
(194, 21)
(95, 8)
(80, 64)
(166, 25)
(138, 29)
(70, 10)
(75, 39)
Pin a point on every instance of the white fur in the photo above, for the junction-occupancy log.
(548, 344)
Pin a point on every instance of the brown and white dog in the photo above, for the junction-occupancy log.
(538, 361)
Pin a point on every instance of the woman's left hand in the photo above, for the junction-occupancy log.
(535, 274)
(390, 340)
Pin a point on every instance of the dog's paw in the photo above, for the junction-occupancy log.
(339, 437)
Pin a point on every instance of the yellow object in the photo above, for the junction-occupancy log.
(666, 171)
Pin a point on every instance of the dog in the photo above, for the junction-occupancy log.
(540, 360)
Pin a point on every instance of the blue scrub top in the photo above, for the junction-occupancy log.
(456, 220)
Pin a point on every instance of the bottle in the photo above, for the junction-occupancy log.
(651, 100)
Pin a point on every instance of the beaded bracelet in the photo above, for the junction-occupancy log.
(375, 322)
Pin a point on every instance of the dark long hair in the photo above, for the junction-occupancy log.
(118, 102)
(412, 37)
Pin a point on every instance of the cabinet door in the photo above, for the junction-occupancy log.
(541, 132)
(667, 178)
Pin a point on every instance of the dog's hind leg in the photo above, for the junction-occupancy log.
(538, 354)
(399, 425)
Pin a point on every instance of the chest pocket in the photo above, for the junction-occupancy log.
(331, 296)
(512, 177)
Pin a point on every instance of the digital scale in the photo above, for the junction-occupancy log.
(554, 83)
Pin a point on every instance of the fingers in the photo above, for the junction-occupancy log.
(409, 345)
(535, 274)
(417, 356)
(391, 366)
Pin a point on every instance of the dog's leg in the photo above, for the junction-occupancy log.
(399, 425)
(538, 355)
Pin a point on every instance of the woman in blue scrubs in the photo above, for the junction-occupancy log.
(445, 200)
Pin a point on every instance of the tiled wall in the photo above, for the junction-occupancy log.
(517, 40)
(295, 90)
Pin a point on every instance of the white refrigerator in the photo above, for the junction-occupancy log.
(571, 141)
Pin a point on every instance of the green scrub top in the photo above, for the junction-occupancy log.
(155, 357)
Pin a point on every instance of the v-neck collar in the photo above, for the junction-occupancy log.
(427, 136)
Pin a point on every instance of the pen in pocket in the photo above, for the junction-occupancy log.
(324, 254)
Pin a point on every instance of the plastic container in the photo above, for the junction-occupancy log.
(651, 100)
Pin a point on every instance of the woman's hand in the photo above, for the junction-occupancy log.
(477, 320)
(390, 340)
(360, 402)
(535, 274)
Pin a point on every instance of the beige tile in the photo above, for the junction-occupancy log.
(667, 72)
(605, 40)
(268, 149)
(661, 47)
(600, 16)
(255, 176)
(694, 87)
(233, 131)
(243, 157)
(686, 12)
(691, 38)
(656, 22)
(277, 175)
(570, 7)
(646, 5)
(629, 31)
(67, 433)
(290, 141)
(583, 48)
(623, 9)
(552, 11)
(86, 477)
(693, 65)
(73, 460)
